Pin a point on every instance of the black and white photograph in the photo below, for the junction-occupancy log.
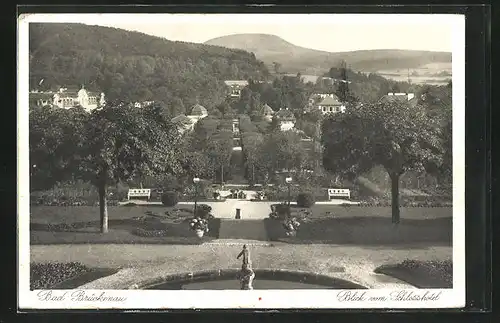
(241, 161)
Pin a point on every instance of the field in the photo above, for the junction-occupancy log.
(434, 74)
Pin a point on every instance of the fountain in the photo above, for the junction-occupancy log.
(246, 275)
(224, 279)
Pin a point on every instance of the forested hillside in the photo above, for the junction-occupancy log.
(131, 66)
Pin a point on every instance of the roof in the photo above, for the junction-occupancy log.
(285, 115)
(198, 110)
(236, 82)
(330, 101)
(399, 98)
(181, 119)
(267, 110)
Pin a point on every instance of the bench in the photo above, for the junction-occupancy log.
(139, 193)
(339, 192)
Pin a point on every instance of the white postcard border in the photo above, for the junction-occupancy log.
(153, 299)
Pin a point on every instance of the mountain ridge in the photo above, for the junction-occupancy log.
(270, 48)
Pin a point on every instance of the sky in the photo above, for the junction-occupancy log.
(328, 32)
(334, 33)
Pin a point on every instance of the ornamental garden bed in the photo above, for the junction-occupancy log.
(64, 275)
(137, 225)
(421, 274)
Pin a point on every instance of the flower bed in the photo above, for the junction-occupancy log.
(407, 202)
(43, 276)
(64, 275)
(422, 274)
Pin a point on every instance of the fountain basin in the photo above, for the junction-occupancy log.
(264, 279)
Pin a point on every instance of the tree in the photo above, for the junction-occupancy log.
(55, 135)
(224, 108)
(277, 67)
(343, 91)
(275, 124)
(250, 143)
(219, 150)
(389, 133)
(122, 143)
(282, 150)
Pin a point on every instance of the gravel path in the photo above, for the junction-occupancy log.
(143, 262)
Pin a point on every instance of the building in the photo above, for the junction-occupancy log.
(143, 104)
(235, 88)
(286, 119)
(187, 123)
(68, 98)
(197, 113)
(267, 113)
(183, 122)
(402, 97)
(330, 104)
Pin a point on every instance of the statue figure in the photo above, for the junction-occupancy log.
(247, 274)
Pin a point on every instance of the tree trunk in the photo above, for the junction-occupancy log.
(103, 207)
(222, 174)
(395, 197)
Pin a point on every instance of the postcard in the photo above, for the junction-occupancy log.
(257, 161)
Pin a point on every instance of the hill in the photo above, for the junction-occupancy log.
(296, 59)
(132, 66)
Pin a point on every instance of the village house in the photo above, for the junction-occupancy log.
(68, 98)
(286, 119)
(402, 97)
(143, 104)
(326, 103)
(267, 113)
(183, 122)
(187, 123)
(197, 113)
(235, 87)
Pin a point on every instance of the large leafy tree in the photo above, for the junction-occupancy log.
(390, 133)
(251, 143)
(55, 138)
(343, 90)
(123, 143)
(219, 150)
(282, 150)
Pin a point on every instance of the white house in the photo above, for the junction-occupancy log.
(330, 104)
(235, 87)
(267, 113)
(187, 123)
(286, 119)
(66, 99)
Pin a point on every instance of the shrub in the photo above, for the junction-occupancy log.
(203, 211)
(169, 198)
(279, 211)
(305, 200)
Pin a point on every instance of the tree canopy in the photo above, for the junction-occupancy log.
(130, 66)
(393, 134)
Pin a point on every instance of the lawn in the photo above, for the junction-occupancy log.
(138, 224)
(368, 226)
